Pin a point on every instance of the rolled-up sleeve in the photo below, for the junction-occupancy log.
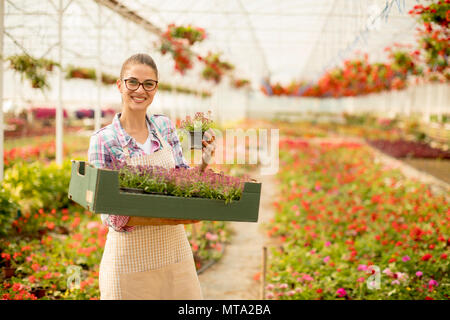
(100, 156)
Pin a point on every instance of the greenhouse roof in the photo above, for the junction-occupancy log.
(282, 39)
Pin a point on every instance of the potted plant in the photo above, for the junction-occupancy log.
(191, 33)
(197, 128)
(9, 266)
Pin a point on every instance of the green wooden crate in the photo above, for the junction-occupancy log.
(98, 191)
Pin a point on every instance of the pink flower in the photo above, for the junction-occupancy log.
(406, 258)
(341, 292)
(419, 273)
(299, 290)
(432, 283)
(211, 236)
(401, 276)
(307, 277)
(270, 295)
(395, 282)
(362, 267)
(388, 272)
(326, 259)
(290, 293)
(361, 279)
(283, 286)
(327, 244)
(270, 286)
(93, 224)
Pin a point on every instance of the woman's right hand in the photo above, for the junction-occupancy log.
(146, 221)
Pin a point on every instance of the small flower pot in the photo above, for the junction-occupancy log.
(8, 272)
(62, 230)
(42, 232)
(39, 292)
(196, 139)
(78, 74)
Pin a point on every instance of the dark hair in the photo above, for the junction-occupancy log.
(139, 58)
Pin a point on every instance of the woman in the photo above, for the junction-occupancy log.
(144, 258)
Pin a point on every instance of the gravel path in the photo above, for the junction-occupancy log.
(232, 277)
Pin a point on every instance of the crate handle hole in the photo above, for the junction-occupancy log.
(81, 169)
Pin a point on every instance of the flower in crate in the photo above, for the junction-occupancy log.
(182, 182)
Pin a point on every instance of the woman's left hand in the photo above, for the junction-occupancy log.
(209, 147)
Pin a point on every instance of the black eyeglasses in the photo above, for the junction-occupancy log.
(133, 84)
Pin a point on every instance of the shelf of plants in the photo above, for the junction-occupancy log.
(163, 193)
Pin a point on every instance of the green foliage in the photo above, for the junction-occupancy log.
(8, 211)
(36, 186)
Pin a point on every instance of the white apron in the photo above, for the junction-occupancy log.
(149, 262)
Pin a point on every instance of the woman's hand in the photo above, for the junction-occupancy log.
(147, 221)
(209, 148)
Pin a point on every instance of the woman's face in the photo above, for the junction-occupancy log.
(138, 99)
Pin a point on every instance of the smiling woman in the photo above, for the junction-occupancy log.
(155, 257)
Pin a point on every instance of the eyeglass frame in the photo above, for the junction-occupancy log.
(140, 83)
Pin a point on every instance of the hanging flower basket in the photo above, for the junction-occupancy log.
(214, 68)
(35, 70)
(190, 33)
(99, 191)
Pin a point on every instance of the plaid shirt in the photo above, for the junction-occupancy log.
(106, 148)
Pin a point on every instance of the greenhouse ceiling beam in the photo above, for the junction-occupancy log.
(2, 27)
(129, 14)
(284, 14)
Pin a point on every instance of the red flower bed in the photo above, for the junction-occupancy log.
(403, 149)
